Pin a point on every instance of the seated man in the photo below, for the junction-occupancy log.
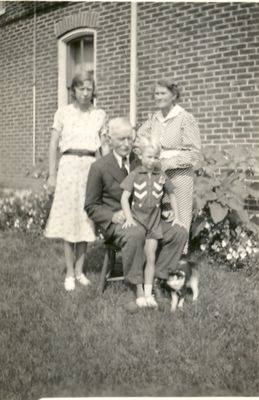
(102, 204)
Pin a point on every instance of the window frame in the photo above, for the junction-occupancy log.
(63, 60)
(2, 7)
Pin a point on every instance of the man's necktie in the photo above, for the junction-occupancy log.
(123, 166)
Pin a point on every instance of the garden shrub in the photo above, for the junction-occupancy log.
(222, 227)
(25, 211)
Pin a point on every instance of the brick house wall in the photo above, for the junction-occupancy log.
(211, 49)
(16, 62)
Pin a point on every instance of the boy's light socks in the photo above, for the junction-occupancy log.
(148, 289)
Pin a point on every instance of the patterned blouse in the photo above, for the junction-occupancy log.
(178, 135)
(79, 130)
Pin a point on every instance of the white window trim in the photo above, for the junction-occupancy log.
(62, 61)
(2, 7)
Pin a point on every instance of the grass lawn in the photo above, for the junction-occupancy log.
(55, 343)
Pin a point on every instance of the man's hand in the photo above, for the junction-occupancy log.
(177, 221)
(118, 217)
(168, 215)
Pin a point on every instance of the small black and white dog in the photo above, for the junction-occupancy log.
(184, 277)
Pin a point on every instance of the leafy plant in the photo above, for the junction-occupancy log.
(222, 185)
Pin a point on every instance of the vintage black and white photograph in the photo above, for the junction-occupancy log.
(129, 199)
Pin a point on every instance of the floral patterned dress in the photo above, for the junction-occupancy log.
(81, 131)
(178, 135)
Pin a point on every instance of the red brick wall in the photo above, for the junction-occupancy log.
(16, 61)
(212, 52)
(16, 58)
(210, 49)
(16, 98)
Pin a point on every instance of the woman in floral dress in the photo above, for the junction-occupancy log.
(177, 132)
(78, 131)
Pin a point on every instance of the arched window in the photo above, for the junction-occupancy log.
(76, 52)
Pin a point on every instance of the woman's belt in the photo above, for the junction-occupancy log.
(79, 153)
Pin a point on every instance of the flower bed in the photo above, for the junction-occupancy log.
(227, 243)
(222, 228)
(24, 210)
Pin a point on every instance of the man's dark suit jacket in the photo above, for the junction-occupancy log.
(103, 192)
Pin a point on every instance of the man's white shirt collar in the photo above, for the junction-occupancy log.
(172, 113)
(119, 160)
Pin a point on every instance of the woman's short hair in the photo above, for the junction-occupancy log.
(78, 80)
(170, 85)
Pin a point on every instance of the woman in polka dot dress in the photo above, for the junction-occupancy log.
(178, 134)
(79, 132)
